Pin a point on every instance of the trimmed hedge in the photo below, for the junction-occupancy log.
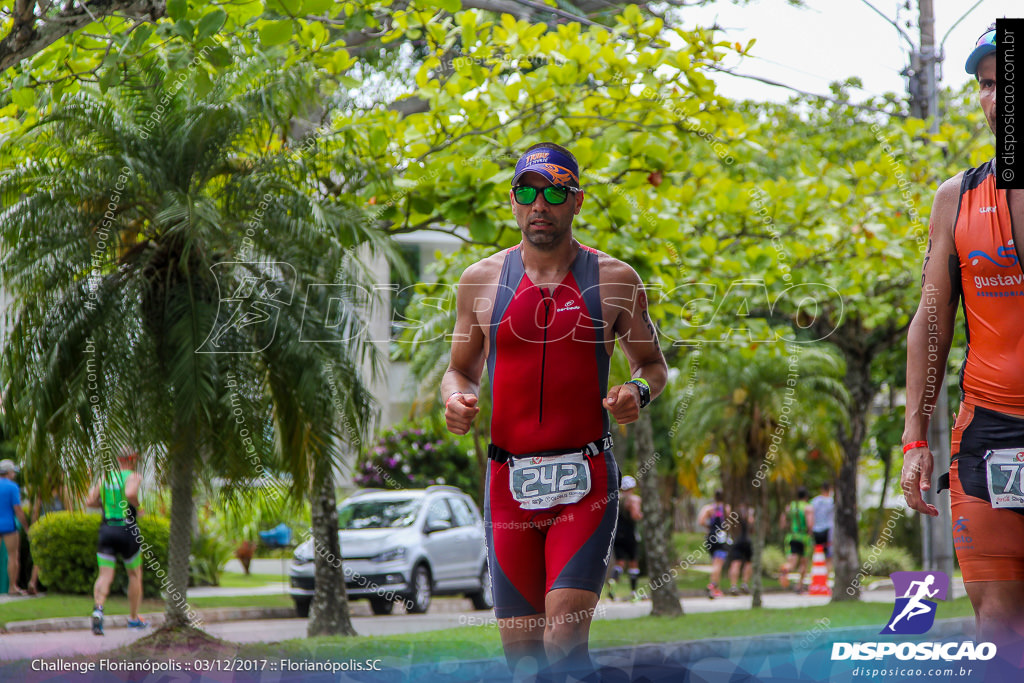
(884, 560)
(64, 547)
(772, 560)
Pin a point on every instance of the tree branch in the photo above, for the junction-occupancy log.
(31, 33)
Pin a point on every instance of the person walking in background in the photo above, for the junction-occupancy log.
(712, 517)
(10, 513)
(625, 547)
(799, 517)
(742, 552)
(117, 493)
(59, 501)
(824, 517)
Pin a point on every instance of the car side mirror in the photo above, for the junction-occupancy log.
(438, 525)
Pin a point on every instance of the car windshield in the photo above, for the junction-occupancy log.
(378, 514)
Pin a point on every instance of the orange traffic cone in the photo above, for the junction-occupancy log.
(819, 573)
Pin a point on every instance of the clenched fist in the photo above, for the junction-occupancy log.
(623, 402)
(459, 411)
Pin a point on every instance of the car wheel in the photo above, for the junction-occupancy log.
(302, 605)
(485, 598)
(381, 605)
(419, 601)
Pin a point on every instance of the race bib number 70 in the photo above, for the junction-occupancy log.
(544, 482)
(1005, 472)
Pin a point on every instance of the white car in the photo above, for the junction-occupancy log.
(406, 545)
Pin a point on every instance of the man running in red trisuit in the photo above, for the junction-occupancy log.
(544, 317)
(974, 255)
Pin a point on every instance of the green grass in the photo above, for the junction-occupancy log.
(482, 641)
(738, 623)
(233, 580)
(276, 600)
(686, 542)
(55, 605)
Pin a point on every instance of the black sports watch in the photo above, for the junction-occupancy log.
(645, 390)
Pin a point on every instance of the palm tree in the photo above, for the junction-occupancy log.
(426, 345)
(754, 407)
(160, 242)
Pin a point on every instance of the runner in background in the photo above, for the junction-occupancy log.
(626, 538)
(117, 493)
(797, 520)
(741, 554)
(712, 517)
(824, 518)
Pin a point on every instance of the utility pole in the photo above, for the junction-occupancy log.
(937, 537)
(930, 60)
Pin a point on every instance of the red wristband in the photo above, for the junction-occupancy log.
(914, 444)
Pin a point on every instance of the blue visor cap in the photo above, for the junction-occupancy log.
(557, 167)
(986, 46)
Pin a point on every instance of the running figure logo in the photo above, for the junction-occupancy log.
(914, 612)
(251, 297)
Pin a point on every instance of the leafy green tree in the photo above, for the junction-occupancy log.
(166, 254)
(757, 408)
(852, 220)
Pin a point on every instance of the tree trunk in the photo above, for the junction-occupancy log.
(885, 453)
(847, 560)
(759, 500)
(876, 528)
(329, 613)
(656, 525)
(179, 545)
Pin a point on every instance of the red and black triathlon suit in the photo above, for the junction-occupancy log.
(991, 413)
(548, 368)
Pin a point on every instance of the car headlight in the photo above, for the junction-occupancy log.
(390, 555)
(303, 554)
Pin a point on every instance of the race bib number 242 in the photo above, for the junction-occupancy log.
(544, 482)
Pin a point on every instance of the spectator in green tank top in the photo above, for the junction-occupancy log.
(799, 519)
(117, 493)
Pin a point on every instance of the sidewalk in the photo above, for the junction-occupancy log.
(880, 591)
(154, 619)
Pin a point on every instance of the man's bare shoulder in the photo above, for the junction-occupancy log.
(485, 271)
(614, 271)
(948, 193)
(950, 189)
(947, 199)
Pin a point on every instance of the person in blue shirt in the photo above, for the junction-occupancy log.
(824, 516)
(10, 509)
